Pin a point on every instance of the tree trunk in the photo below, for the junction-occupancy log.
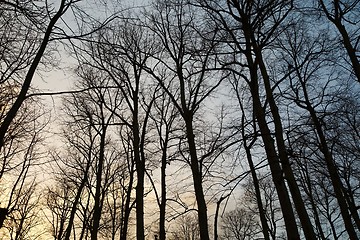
(218, 203)
(276, 171)
(332, 169)
(350, 50)
(140, 202)
(197, 178)
(265, 227)
(313, 206)
(97, 197)
(269, 143)
(29, 76)
(127, 209)
(336, 20)
(285, 163)
(162, 231)
(75, 203)
(247, 147)
(350, 199)
(140, 168)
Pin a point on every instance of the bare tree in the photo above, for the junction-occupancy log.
(307, 63)
(21, 155)
(150, 83)
(164, 118)
(57, 201)
(249, 32)
(27, 28)
(186, 58)
(249, 136)
(344, 16)
(240, 224)
(186, 228)
(119, 53)
(93, 169)
(29, 44)
(270, 204)
(24, 221)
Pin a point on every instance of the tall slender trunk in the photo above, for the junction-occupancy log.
(247, 147)
(331, 167)
(162, 231)
(140, 202)
(276, 171)
(97, 197)
(285, 163)
(60, 232)
(216, 217)
(313, 206)
(349, 197)
(336, 19)
(127, 208)
(85, 225)
(265, 227)
(139, 165)
(30, 74)
(269, 143)
(78, 194)
(187, 115)
(197, 179)
(75, 203)
(350, 50)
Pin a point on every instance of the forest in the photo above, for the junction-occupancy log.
(185, 120)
